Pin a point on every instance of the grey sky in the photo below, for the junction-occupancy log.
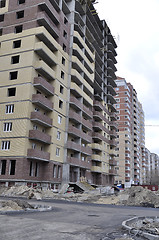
(134, 24)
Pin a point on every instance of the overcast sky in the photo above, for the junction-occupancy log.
(135, 25)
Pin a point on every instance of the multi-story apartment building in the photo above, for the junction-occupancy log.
(57, 93)
(147, 161)
(130, 148)
(154, 168)
(142, 145)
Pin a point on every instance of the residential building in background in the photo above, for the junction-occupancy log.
(131, 136)
(148, 169)
(154, 168)
(57, 111)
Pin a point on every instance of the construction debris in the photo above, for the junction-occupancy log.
(15, 205)
(150, 225)
(134, 196)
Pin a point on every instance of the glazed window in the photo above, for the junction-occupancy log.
(58, 135)
(5, 145)
(7, 127)
(59, 119)
(10, 108)
(57, 152)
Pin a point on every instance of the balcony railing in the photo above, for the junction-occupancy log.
(112, 171)
(79, 133)
(78, 162)
(39, 136)
(42, 102)
(41, 84)
(38, 155)
(41, 119)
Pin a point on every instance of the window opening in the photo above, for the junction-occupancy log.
(13, 75)
(17, 44)
(11, 92)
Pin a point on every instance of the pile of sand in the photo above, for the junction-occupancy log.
(134, 196)
(15, 205)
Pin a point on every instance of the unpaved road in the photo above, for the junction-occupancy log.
(70, 221)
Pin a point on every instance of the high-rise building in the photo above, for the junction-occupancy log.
(131, 138)
(57, 71)
(147, 160)
(154, 168)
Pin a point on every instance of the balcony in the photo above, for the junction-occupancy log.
(76, 103)
(39, 136)
(45, 54)
(112, 162)
(113, 124)
(96, 169)
(78, 92)
(74, 146)
(41, 84)
(78, 162)
(44, 20)
(98, 115)
(34, 154)
(100, 137)
(98, 105)
(42, 101)
(113, 133)
(96, 157)
(113, 116)
(87, 111)
(41, 119)
(79, 133)
(97, 146)
(87, 124)
(112, 171)
(112, 152)
(86, 150)
(43, 35)
(75, 116)
(44, 69)
(113, 143)
(49, 7)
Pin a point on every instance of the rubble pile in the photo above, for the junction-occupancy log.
(149, 225)
(134, 196)
(15, 205)
(139, 196)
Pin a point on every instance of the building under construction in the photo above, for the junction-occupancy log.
(57, 115)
